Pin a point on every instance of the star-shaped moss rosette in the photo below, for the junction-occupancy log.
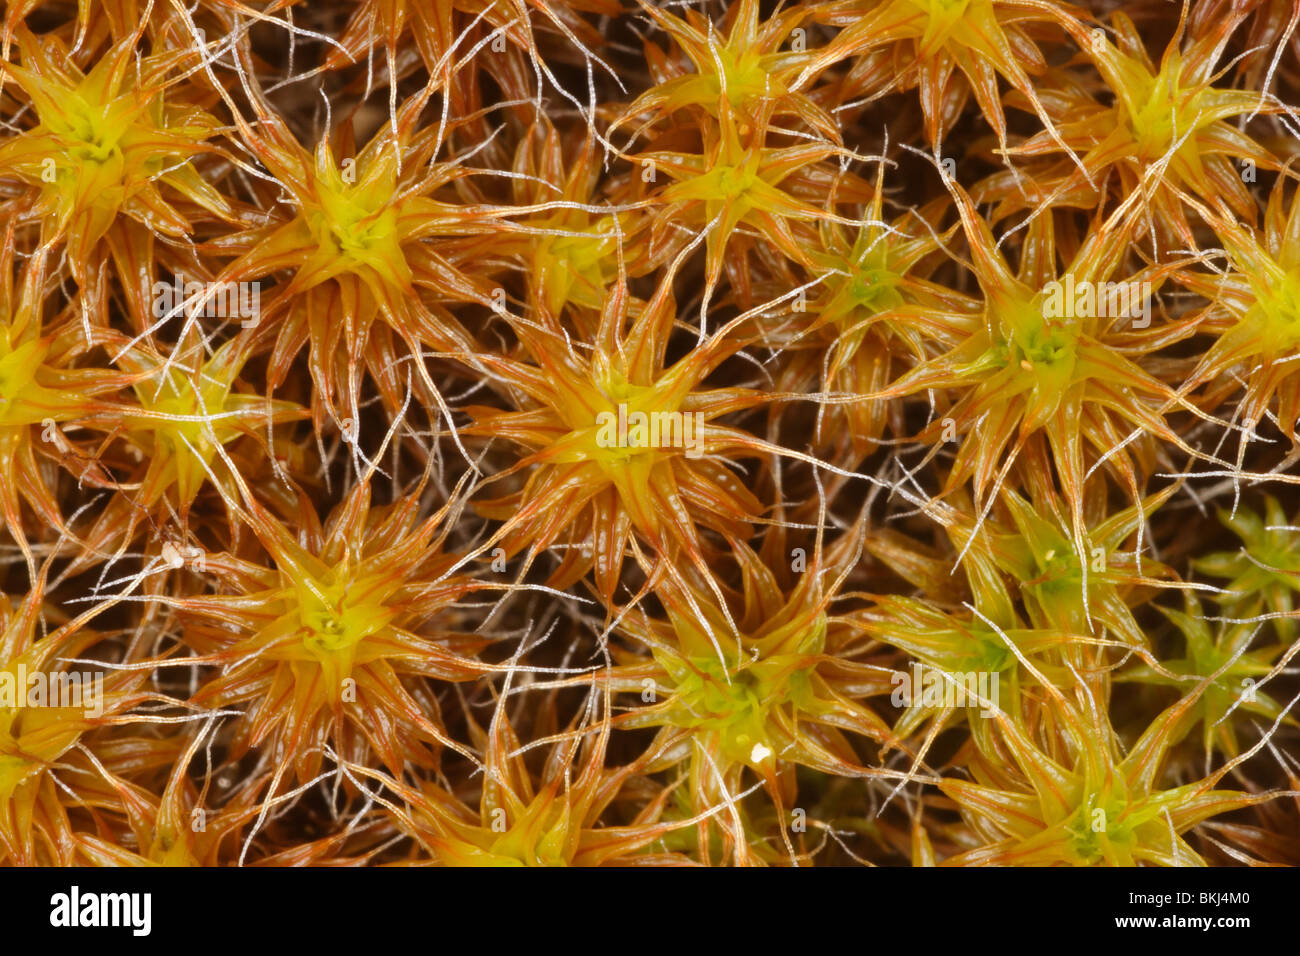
(1155, 134)
(1263, 575)
(946, 49)
(1046, 373)
(46, 385)
(52, 764)
(1253, 312)
(188, 410)
(332, 639)
(1078, 800)
(745, 69)
(764, 687)
(875, 313)
(110, 162)
(553, 822)
(737, 188)
(369, 250)
(597, 472)
(1233, 660)
(568, 246)
(1089, 591)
